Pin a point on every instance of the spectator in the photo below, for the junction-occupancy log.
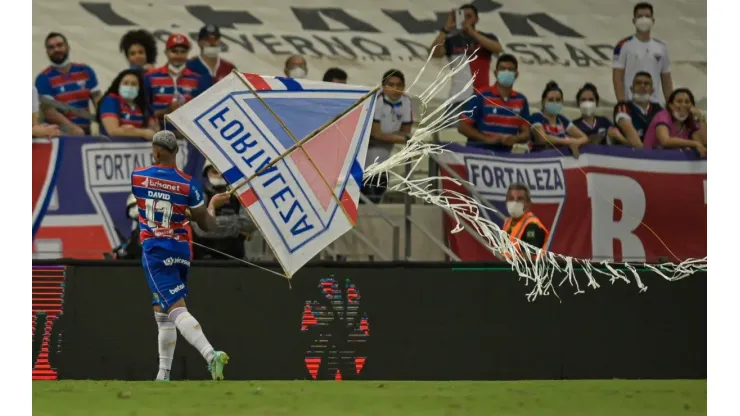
(391, 125)
(172, 85)
(550, 128)
(41, 130)
(599, 129)
(522, 224)
(124, 110)
(633, 117)
(130, 248)
(499, 114)
(641, 52)
(296, 67)
(209, 65)
(452, 43)
(335, 75)
(233, 223)
(680, 125)
(140, 49)
(69, 83)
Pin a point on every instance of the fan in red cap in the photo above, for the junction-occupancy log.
(172, 85)
(177, 39)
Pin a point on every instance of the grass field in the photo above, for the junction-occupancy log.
(592, 398)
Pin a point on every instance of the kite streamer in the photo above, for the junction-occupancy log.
(545, 270)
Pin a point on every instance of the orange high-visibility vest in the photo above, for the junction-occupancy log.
(517, 231)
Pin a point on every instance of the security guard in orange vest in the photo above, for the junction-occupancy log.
(523, 224)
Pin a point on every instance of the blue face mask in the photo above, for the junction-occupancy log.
(396, 101)
(128, 92)
(506, 78)
(553, 107)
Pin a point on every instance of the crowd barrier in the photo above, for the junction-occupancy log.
(394, 321)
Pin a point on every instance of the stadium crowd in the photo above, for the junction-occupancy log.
(650, 113)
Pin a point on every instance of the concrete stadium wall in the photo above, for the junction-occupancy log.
(382, 322)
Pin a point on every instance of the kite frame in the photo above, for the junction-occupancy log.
(297, 145)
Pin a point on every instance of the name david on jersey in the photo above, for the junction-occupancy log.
(158, 195)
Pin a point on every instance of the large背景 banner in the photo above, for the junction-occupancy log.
(611, 203)
(80, 186)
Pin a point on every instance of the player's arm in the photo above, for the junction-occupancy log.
(205, 217)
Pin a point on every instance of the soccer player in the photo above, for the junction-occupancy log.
(163, 193)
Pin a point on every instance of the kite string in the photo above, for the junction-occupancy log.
(243, 261)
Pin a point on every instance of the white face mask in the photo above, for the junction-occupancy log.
(62, 64)
(515, 208)
(175, 69)
(641, 98)
(588, 108)
(297, 72)
(217, 181)
(643, 24)
(679, 117)
(211, 51)
(133, 213)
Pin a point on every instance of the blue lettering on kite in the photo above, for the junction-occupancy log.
(290, 210)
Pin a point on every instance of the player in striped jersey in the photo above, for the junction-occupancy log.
(163, 195)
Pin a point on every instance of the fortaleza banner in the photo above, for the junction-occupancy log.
(611, 203)
(80, 186)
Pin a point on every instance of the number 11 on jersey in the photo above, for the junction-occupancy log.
(157, 205)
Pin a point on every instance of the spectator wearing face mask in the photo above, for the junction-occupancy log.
(497, 117)
(391, 125)
(296, 67)
(680, 125)
(522, 224)
(641, 52)
(232, 222)
(41, 129)
(208, 64)
(634, 116)
(172, 85)
(140, 49)
(335, 75)
(124, 110)
(552, 129)
(598, 129)
(70, 83)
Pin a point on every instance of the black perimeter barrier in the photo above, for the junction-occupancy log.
(376, 321)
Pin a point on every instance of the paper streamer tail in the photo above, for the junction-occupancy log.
(531, 263)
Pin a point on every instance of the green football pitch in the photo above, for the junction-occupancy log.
(382, 398)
